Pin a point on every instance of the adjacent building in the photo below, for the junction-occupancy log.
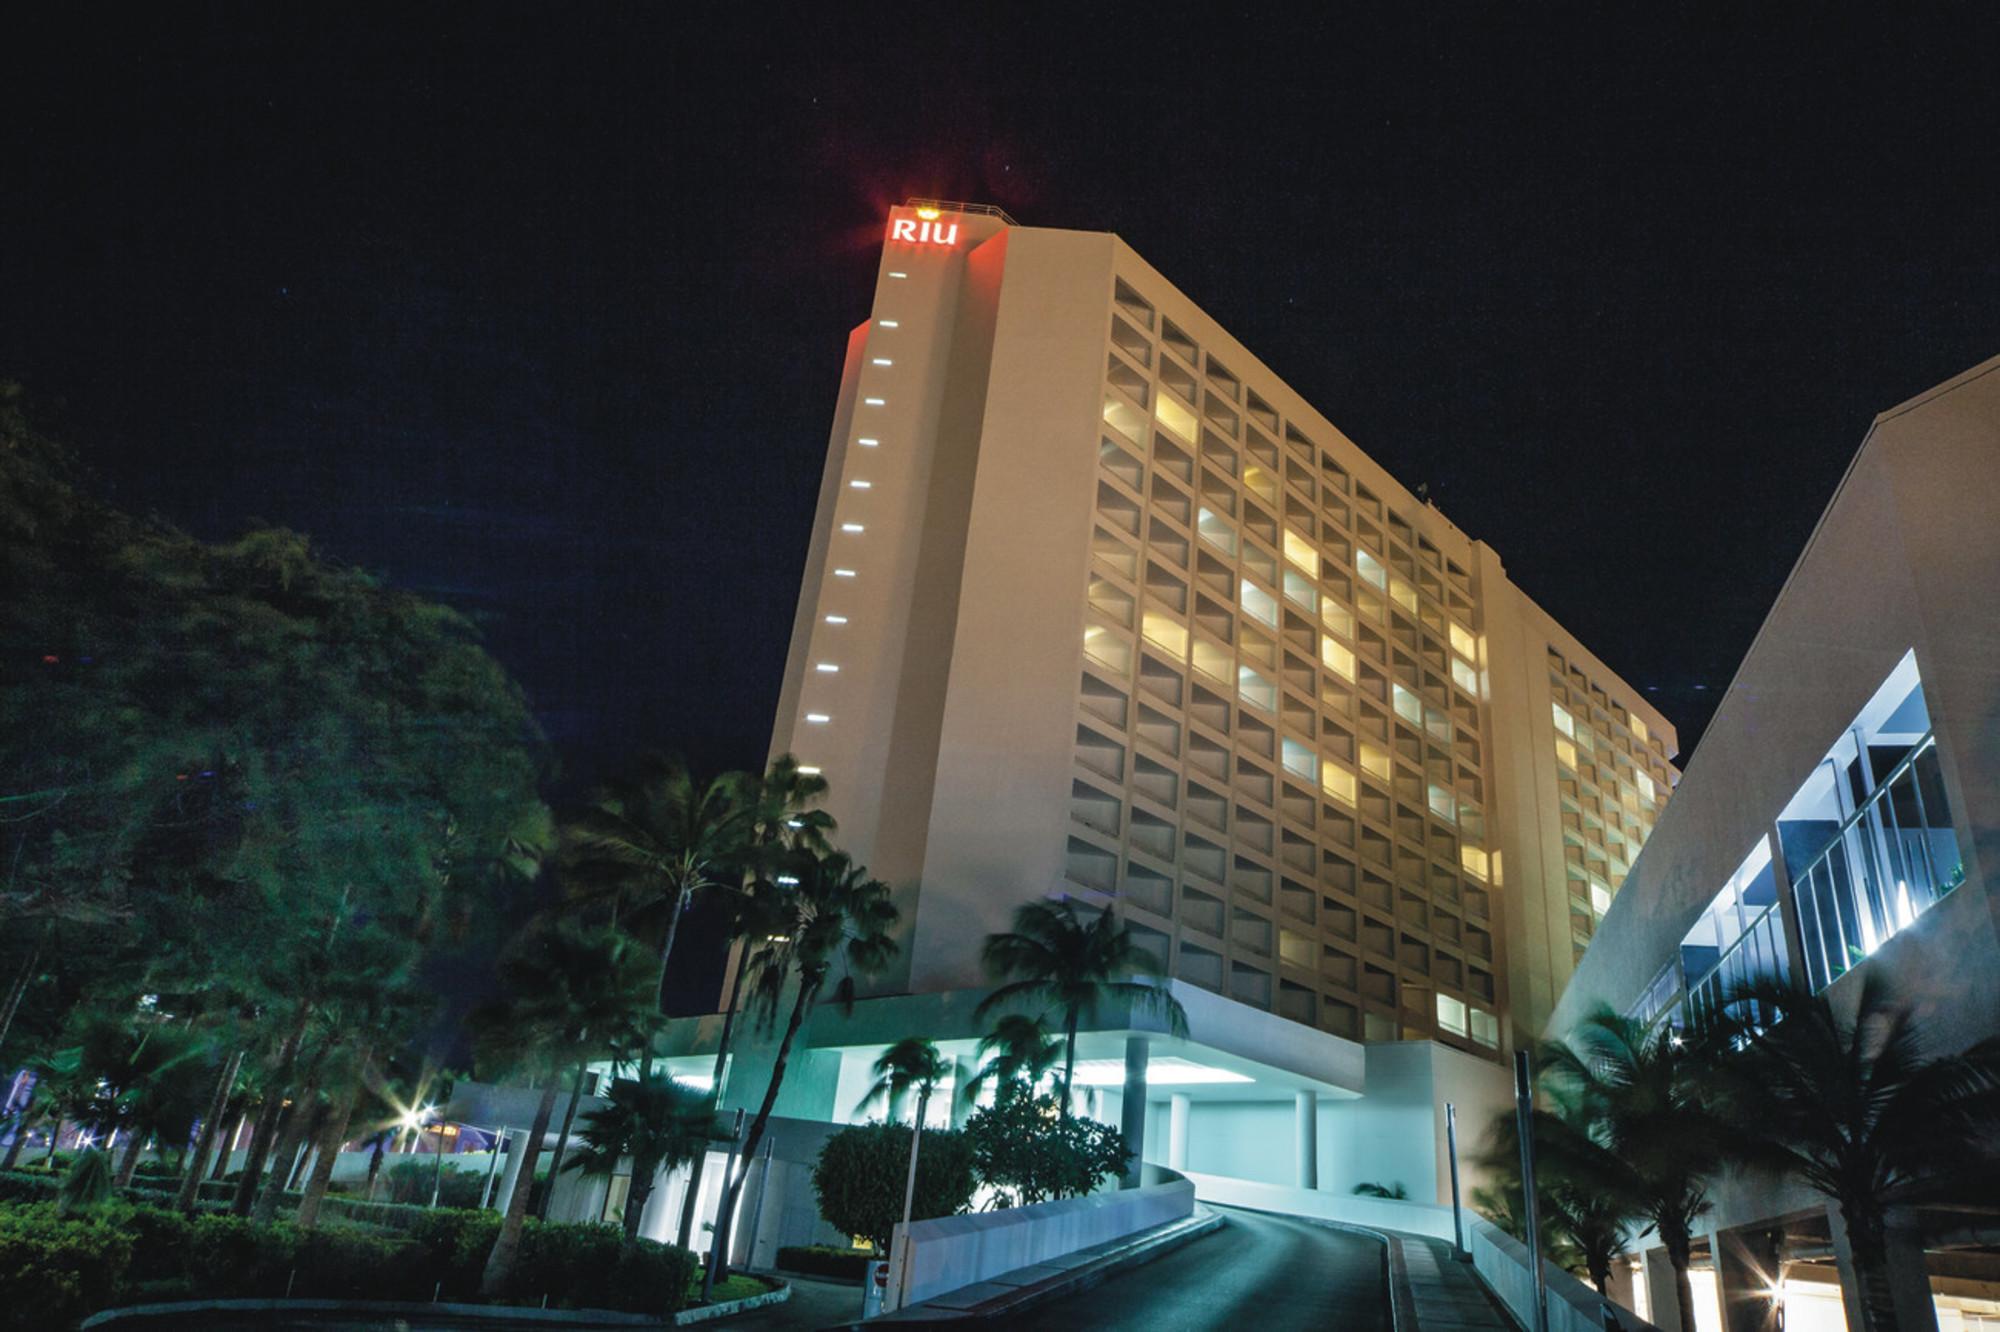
(1840, 821)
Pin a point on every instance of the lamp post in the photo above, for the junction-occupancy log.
(722, 1200)
(1524, 1119)
(1457, 1212)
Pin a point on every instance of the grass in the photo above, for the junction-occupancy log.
(736, 1287)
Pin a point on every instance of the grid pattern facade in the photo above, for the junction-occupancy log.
(1612, 779)
(1280, 751)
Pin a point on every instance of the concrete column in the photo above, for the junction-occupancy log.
(962, 1070)
(1746, 1275)
(1663, 1298)
(1132, 1107)
(516, 1142)
(1178, 1107)
(1305, 1137)
(1909, 1281)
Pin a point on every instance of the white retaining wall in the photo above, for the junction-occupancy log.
(1414, 1218)
(944, 1254)
(1502, 1261)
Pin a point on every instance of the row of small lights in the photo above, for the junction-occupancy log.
(857, 483)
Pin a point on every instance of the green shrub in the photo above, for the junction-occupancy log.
(456, 1242)
(1024, 1147)
(566, 1262)
(650, 1278)
(56, 1270)
(228, 1257)
(825, 1260)
(862, 1172)
(28, 1186)
(410, 1180)
(159, 1240)
(340, 1262)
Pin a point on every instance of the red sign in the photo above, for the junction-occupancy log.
(922, 230)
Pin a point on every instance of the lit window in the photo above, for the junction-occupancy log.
(827, 668)
(1164, 631)
(1107, 649)
(1216, 532)
(1408, 706)
(1464, 676)
(1475, 861)
(862, 485)
(1336, 617)
(1212, 661)
(1299, 590)
(1565, 753)
(1600, 897)
(1123, 417)
(867, 443)
(1485, 1027)
(1370, 568)
(1375, 762)
(1169, 412)
(836, 619)
(1403, 595)
(818, 718)
(1300, 760)
(1443, 804)
(876, 402)
(1451, 1014)
(1463, 642)
(888, 323)
(1337, 782)
(1639, 729)
(1338, 659)
(1259, 603)
(1255, 690)
(898, 275)
(1646, 788)
(852, 527)
(1300, 552)
(1564, 722)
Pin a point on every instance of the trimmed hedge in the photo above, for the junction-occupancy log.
(56, 1270)
(824, 1260)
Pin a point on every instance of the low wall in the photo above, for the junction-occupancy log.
(1502, 1262)
(952, 1251)
(1412, 1218)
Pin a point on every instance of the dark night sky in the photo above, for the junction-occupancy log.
(542, 313)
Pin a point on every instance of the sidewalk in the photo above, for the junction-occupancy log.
(1444, 1294)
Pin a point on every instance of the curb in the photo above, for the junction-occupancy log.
(1144, 1247)
(473, 1315)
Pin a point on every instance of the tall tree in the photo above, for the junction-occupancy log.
(1860, 1112)
(835, 928)
(1645, 1100)
(1072, 963)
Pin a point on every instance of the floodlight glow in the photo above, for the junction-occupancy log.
(1166, 1072)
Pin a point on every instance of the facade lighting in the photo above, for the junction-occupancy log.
(867, 443)
(827, 668)
(843, 573)
(862, 485)
(836, 619)
(883, 360)
(852, 527)
(818, 718)
(888, 323)
(876, 402)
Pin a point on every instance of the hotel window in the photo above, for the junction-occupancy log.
(1375, 762)
(1255, 690)
(1128, 420)
(1336, 657)
(1170, 413)
(1259, 603)
(1216, 532)
(1299, 760)
(1300, 552)
(1868, 839)
(1739, 939)
(1465, 677)
(1370, 568)
(1451, 1014)
(1475, 862)
(1337, 782)
(1166, 633)
(1485, 1028)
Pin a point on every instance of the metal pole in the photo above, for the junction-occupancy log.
(492, 1166)
(910, 1196)
(437, 1167)
(1451, 1147)
(715, 1244)
(1524, 1120)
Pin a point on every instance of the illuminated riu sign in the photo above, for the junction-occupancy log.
(923, 229)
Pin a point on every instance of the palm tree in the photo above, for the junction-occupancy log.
(1587, 1197)
(657, 1122)
(650, 846)
(1023, 1051)
(569, 991)
(1644, 1101)
(782, 826)
(1858, 1111)
(1073, 963)
(912, 1064)
(834, 918)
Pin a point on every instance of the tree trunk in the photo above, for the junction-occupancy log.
(55, 1136)
(636, 1196)
(267, 1119)
(507, 1246)
(1868, 1245)
(1069, 1061)
(732, 1188)
(329, 1148)
(296, 1125)
(226, 1148)
(130, 1165)
(693, 1192)
(22, 980)
(562, 1140)
(218, 1103)
(667, 950)
(1677, 1246)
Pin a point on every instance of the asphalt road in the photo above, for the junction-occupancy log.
(1259, 1273)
